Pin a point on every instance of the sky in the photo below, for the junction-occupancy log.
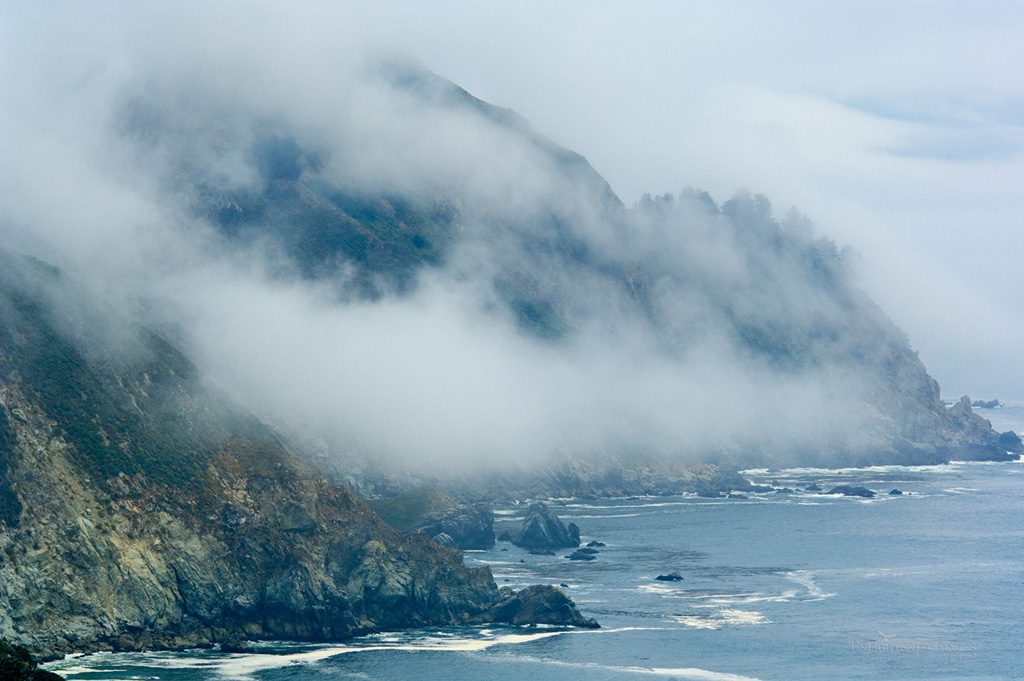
(897, 127)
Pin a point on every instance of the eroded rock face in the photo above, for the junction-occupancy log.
(541, 604)
(542, 529)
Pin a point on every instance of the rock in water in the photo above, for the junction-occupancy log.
(540, 604)
(581, 554)
(852, 491)
(574, 533)
(542, 529)
(895, 493)
(595, 544)
(670, 577)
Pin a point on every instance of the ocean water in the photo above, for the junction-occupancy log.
(927, 585)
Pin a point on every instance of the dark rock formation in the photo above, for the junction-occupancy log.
(595, 544)
(971, 437)
(581, 554)
(670, 577)
(16, 664)
(895, 493)
(852, 491)
(542, 529)
(574, 533)
(537, 605)
(986, 404)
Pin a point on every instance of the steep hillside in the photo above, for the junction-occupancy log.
(138, 509)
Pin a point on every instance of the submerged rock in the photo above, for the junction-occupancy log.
(541, 604)
(852, 491)
(813, 487)
(670, 577)
(542, 529)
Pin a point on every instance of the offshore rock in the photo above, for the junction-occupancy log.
(540, 604)
(542, 529)
(670, 577)
(852, 491)
(582, 554)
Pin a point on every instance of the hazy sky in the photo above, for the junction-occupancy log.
(898, 127)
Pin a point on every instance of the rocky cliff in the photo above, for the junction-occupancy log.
(139, 508)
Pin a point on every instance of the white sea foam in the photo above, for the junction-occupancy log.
(805, 578)
(961, 490)
(243, 666)
(686, 673)
(721, 618)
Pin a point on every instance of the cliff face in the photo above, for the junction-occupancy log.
(140, 509)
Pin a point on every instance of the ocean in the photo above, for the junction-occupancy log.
(924, 585)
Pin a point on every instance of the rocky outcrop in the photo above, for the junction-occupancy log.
(537, 605)
(542, 529)
(971, 437)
